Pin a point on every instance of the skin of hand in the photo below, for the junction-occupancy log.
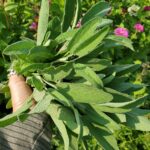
(19, 90)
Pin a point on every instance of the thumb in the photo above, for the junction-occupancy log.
(19, 90)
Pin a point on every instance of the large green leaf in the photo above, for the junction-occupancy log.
(59, 96)
(101, 119)
(94, 63)
(84, 93)
(122, 69)
(65, 114)
(53, 112)
(43, 21)
(104, 137)
(122, 87)
(86, 46)
(19, 48)
(39, 54)
(68, 14)
(121, 40)
(129, 104)
(99, 9)
(111, 109)
(137, 122)
(88, 74)
(141, 112)
(121, 107)
(84, 33)
(118, 96)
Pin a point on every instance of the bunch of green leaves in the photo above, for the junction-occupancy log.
(84, 94)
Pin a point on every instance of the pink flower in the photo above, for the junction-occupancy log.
(33, 26)
(121, 32)
(78, 24)
(138, 27)
(147, 8)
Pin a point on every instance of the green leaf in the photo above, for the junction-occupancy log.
(120, 107)
(43, 21)
(90, 44)
(79, 124)
(54, 27)
(94, 63)
(66, 36)
(52, 111)
(137, 122)
(39, 54)
(99, 9)
(118, 96)
(104, 137)
(119, 118)
(42, 104)
(141, 112)
(59, 96)
(11, 118)
(38, 95)
(88, 74)
(83, 93)
(85, 32)
(86, 46)
(121, 40)
(32, 67)
(126, 87)
(101, 119)
(57, 74)
(129, 104)
(73, 142)
(11, 7)
(111, 109)
(77, 13)
(19, 48)
(68, 117)
(68, 14)
(37, 82)
(122, 69)
(108, 79)
(9, 104)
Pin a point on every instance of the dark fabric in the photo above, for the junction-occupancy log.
(32, 134)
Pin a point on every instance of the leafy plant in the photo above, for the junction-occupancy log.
(84, 94)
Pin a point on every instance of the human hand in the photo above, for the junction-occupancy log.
(19, 90)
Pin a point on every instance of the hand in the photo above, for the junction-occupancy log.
(19, 90)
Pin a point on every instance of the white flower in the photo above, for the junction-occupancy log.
(133, 10)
